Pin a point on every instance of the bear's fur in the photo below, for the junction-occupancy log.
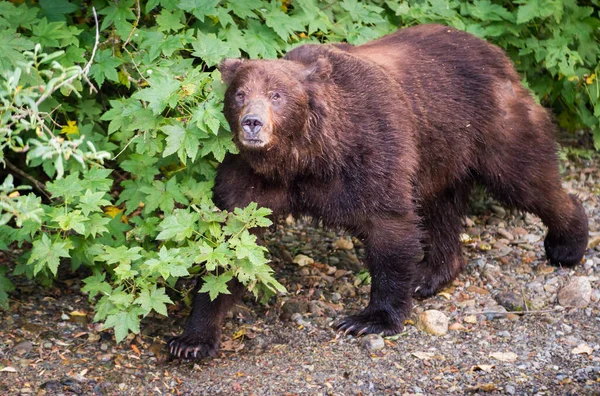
(386, 140)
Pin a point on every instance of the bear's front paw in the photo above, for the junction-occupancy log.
(377, 322)
(185, 347)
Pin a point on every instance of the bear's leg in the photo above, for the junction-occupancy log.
(442, 221)
(200, 337)
(393, 247)
(531, 183)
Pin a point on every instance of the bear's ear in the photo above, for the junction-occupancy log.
(228, 68)
(318, 70)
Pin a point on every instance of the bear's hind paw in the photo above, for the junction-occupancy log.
(186, 347)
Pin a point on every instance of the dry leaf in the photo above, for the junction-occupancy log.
(9, 369)
(582, 348)
(303, 260)
(423, 355)
(505, 356)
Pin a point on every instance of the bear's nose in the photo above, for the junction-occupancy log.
(251, 124)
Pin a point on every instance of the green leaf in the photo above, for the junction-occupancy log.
(170, 20)
(47, 254)
(105, 66)
(123, 322)
(218, 146)
(160, 94)
(96, 225)
(199, 8)
(185, 141)
(55, 10)
(244, 9)
(246, 247)
(168, 263)
(12, 46)
(141, 166)
(96, 284)
(120, 254)
(179, 226)
(215, 285)
(280, 22)
(6, 287)
(91, 202)
(72, 220)
(212, 50)
(153, 299)
(221, 256)
(118, 14)
(163, 196)
(54, 34)
(261, 40)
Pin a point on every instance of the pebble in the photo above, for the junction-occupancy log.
(576, 293)
(510, 389)
(373, 342)
(335, 297)
(511, 301)
(471, 319)
(23, 347)
(303, 260)
(343, 244)
(504, 233)
(433, 322)
(495, 312)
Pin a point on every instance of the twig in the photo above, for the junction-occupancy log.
(514, 312)
(37, 184)
(83, 71)
(125, 148)
(135, 24)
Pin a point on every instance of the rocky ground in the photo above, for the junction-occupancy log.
(510, 324)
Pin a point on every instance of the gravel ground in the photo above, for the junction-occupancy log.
(509, 324)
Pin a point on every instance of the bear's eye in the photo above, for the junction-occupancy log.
(275, 96)
(240, 95)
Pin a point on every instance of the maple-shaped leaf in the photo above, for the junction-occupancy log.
(163, 196)
(178, 226)
(96, 284)
(221, 256)
(12, 45)
(96, 225)
(124, 321)
(168, 263)
(212, 50)
(246, 247)
(183, 140)
(120, 254)
(105, 67)
(72, 220)
(261, 40)
(244, 9)
(218, 145)
(91, 202)
(160, 94)
(118, 14)
(215, 285)
(47, 254)
(167, 20)
(199, 8)
(153, 299)
(283, 24)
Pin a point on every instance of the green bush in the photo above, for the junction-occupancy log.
(118, 152)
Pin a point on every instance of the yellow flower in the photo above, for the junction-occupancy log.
(590, 79)
(71, 128)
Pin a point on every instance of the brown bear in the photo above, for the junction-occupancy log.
(386, 140)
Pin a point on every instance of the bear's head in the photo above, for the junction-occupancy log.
(268, 103)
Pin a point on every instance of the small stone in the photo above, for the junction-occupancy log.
(504, 334)
(512, 317)
(496, 312)
(478, 290)
(303, 260)
(293, 306)
(504, 233)
(23, 347)
(499, 211)
(373, 343)
(511, 301)
(456, 327)
(576, 293)
(471, 319)
(335, 297)
(433, 322)
(519, 231)
(345, 289)
(343, 244)
(510, 389)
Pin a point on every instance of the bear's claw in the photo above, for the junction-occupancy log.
(184, 347)
(365, 323)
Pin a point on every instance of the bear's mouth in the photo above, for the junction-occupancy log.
(255, 143)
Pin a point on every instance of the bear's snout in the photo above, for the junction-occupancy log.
(251, 124)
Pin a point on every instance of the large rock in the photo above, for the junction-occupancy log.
(576, 293)
(433, 322)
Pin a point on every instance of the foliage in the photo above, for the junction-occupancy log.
(118, 154)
